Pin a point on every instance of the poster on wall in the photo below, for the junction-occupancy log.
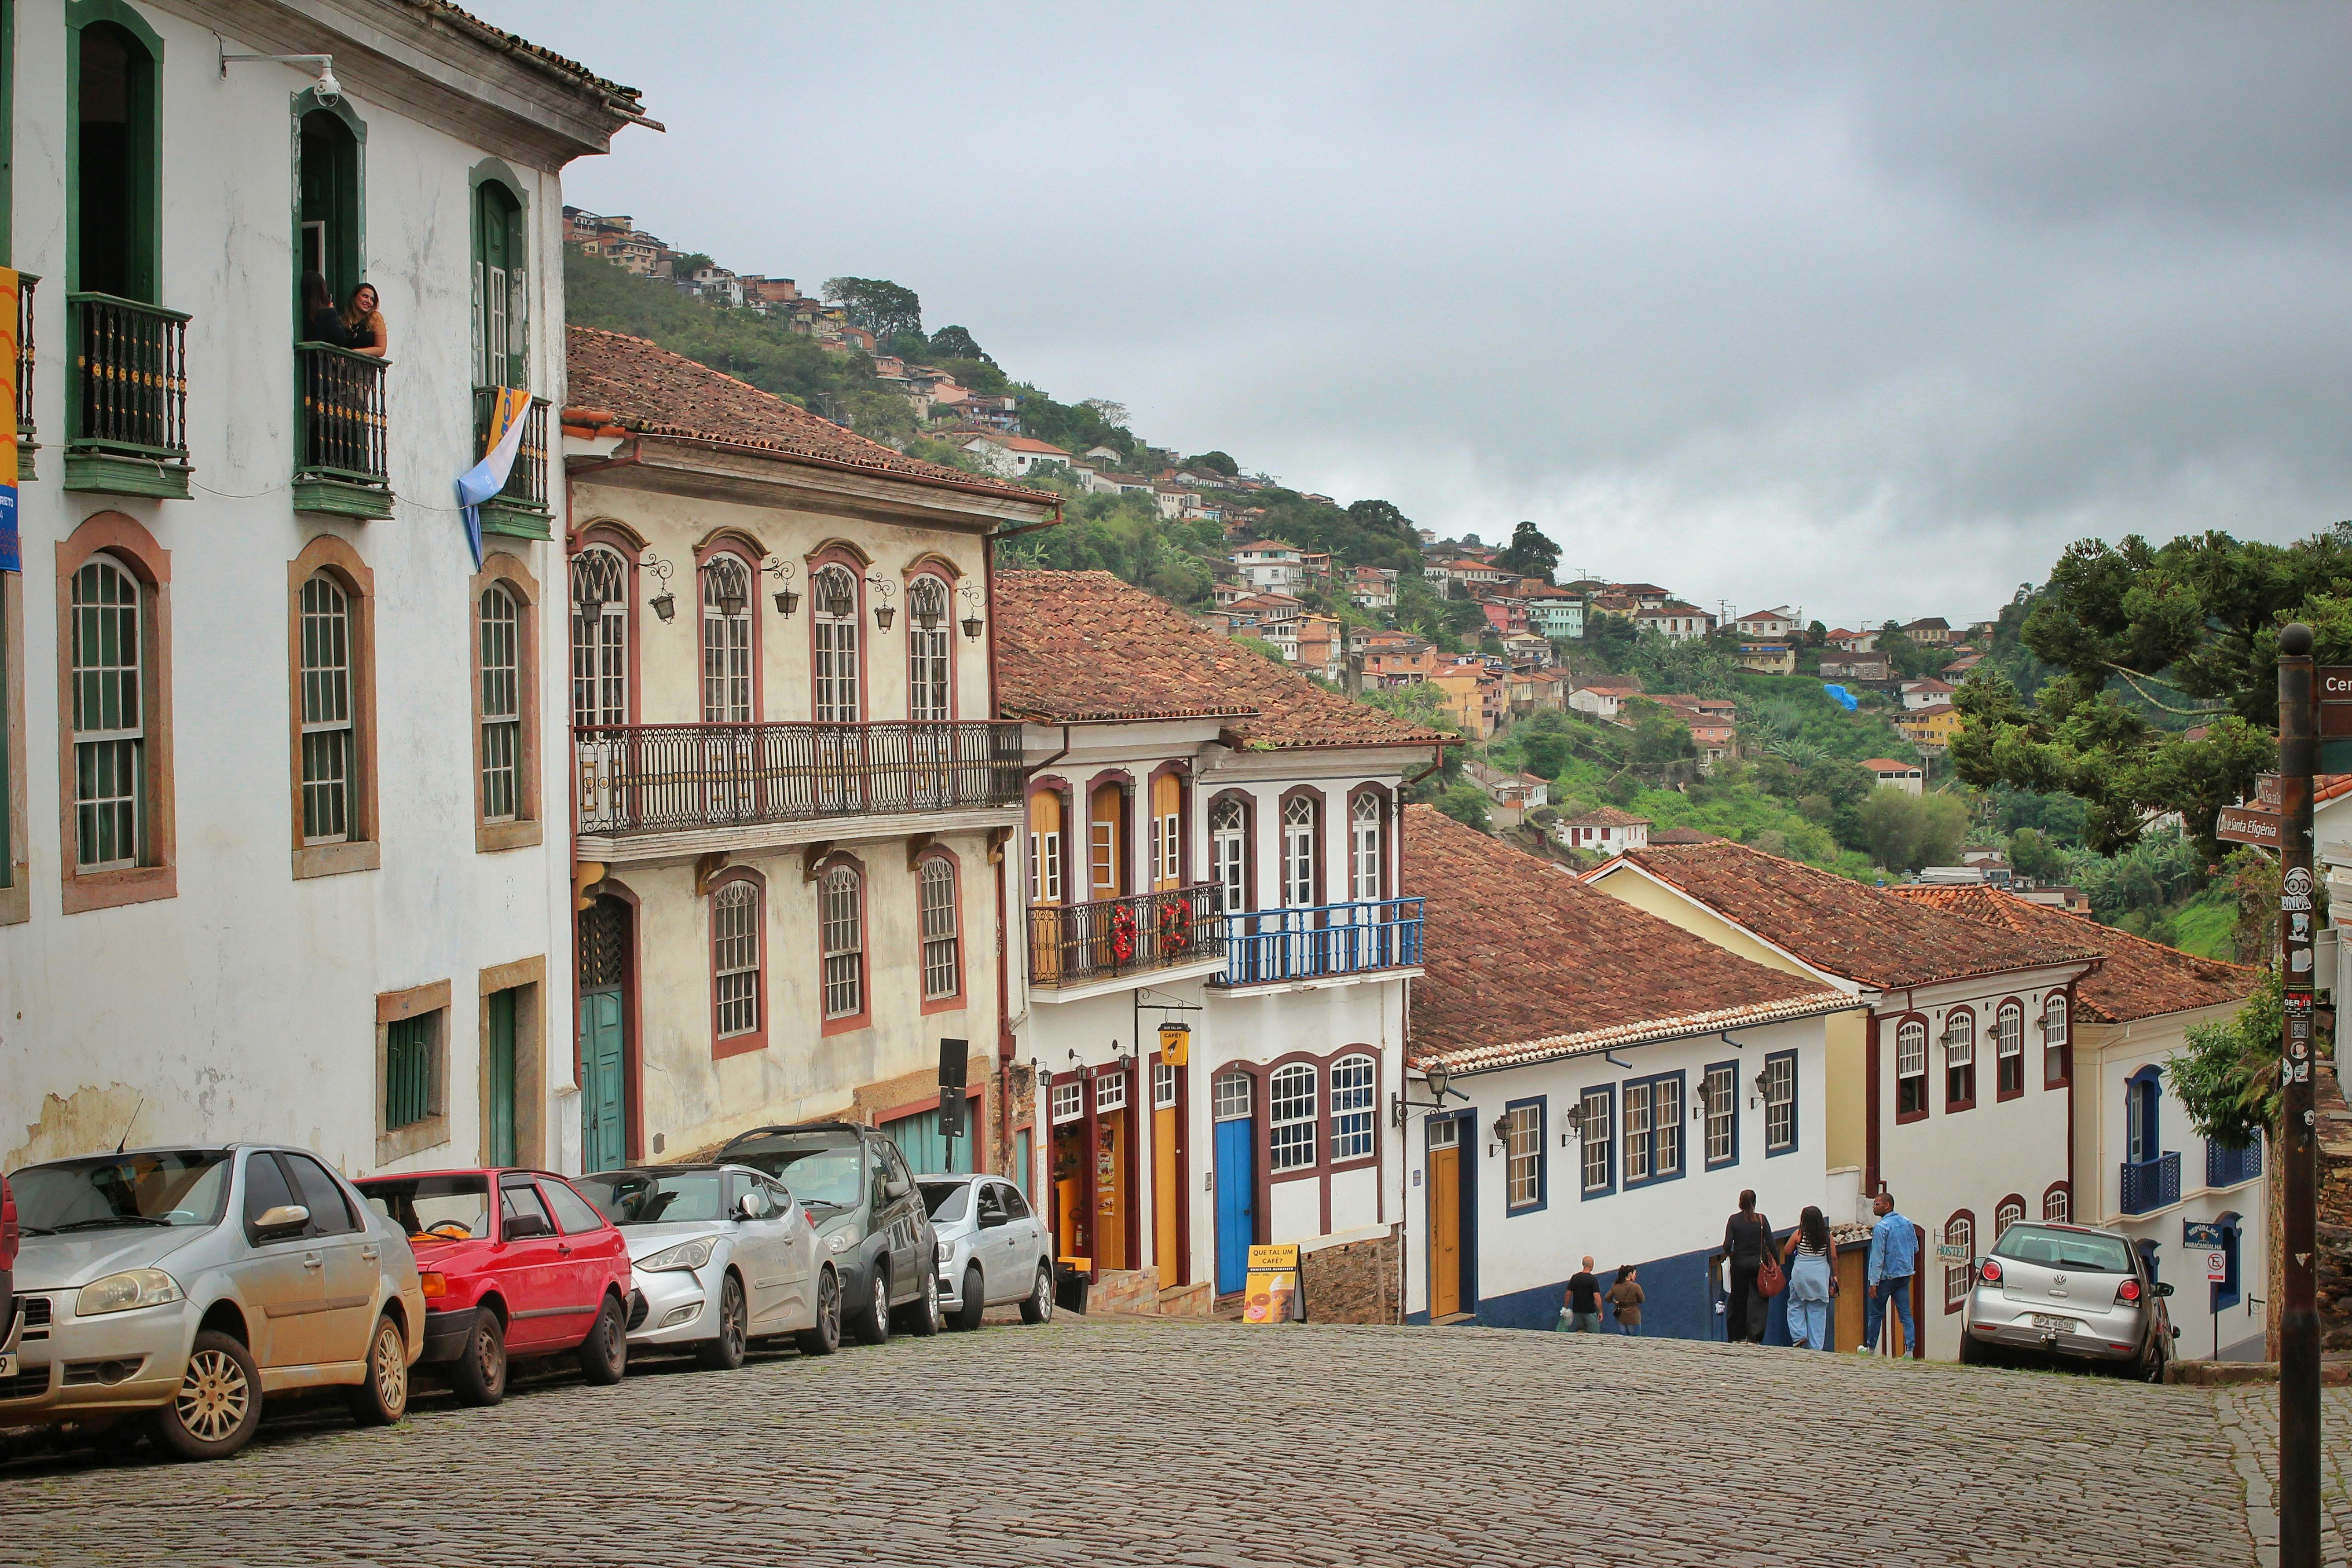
(12, 547)
(1272, 1293)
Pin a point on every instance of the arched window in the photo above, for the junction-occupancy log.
(1300, 820)
(1351, 1109)
(2011, 1210)
(2009, 1050)
(930, 700)
(600, 637)
(1959, 1060)
(936, 894)
(2058, 1203)
(1960, 1231)
(1911, 1068)
(842, 915)
(1364, 858)
(331, 207)
(1229, 855)
(1292, 1097)
(2054, 1059)
(735, 957)
(110, 736)
(2142, 1094)
(501, 288)
(726, 641)
(118, 148)
(329, 732)
(506, 705)
(501, 697)
(833, 595)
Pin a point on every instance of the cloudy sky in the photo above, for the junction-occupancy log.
(1866, 308)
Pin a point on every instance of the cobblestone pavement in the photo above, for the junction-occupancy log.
(1140, 1442)
(2249, 1416)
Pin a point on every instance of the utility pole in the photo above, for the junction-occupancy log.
(2299, 1140)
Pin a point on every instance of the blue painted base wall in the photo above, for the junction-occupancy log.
(1679, 1303)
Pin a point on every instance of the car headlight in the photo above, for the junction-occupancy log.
(947, 1251)
(686, 1256)
(842, 1240)
(121, 1292)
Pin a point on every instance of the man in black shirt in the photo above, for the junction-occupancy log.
(1583, 1304)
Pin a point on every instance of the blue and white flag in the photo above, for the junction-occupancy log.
(488, 477)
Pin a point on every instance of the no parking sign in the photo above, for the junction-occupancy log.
(2204, 1243)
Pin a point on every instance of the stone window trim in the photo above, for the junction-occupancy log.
(2008, 1032)
(1957, 1041)
(397, 1007)
(113, 533)
(954, 1001)
(1902, 1022)
(864, 1017)
(363, 851)
(528, 976)
(527, 828)
(755, 1038)
(16, 898)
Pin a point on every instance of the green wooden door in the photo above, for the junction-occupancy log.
(501, 1108)
(604, 1121)
(501, 292)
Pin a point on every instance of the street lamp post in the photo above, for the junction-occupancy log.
(2299, 1141)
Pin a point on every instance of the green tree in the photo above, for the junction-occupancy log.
(1545, 753)
(1465, 804)
(1217, 462)
(881, 307)
(688, 263)
(2227, 1080)
(1530, 553)
(1905, 831)
(955, 343)
(2035, 856)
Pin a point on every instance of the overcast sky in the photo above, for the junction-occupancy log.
(1869, 308)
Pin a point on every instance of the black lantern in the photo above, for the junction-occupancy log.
(788, 598)
(666, 605)
(835, 596)
(971, 595)
(664, 602)
(883, 612)
(928, 604)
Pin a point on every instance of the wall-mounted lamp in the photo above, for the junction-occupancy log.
(1437, 1078)
(927, 604)
(788, 598)
(1503, 1128)
(835, 598)
(664, 602)
(969, 593)
(883, 611)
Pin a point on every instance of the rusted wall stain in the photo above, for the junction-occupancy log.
(85, 1122)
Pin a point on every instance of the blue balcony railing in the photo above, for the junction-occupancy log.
(1324, 942)
(2151, 1184)
(2226, 1167)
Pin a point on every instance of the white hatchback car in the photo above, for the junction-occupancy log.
(991, 1249)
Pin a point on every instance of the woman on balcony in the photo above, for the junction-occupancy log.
(322, 323)
(364, 323)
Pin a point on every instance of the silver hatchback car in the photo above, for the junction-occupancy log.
(181, 1285)
(991, 1248)
(2069, 1291)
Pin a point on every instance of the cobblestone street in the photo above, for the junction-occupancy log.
(1121, 1441)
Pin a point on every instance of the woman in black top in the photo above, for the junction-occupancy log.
(322, 323)
(1745, 1236)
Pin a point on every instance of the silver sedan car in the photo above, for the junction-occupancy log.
(991, 1251)
(181, 1285)
(2068, 1292)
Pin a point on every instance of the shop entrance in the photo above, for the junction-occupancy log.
(1167, 1177)
(1445, 1292)
(1113, 1147)
(1236, 1178)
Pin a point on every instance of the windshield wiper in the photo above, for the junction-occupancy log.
(37, 1230)
(109, 1220)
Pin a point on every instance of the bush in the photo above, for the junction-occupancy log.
(1905, 831)
(1465, 804)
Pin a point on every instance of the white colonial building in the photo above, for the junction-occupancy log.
(283, 795)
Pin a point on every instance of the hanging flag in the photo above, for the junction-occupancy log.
(12, 544)
(485, 479)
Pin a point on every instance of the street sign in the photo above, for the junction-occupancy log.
(2244, 825)
(2334, 721)
(2266, 790)
(2216, 1266)
(1950, 1252)
(2332, 683)
(2198, 1234)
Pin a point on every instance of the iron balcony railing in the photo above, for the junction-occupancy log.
(25, 283)
(526, 483)
(131, 378)
(1077, 944)
(2226, 1167)
(651, 778)
(1321, 941)
(2151, 1184)
(344, 429)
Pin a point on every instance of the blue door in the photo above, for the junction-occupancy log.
(1236, 1180)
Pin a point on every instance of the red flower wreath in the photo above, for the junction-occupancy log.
(1122, 933)
(1175, 923)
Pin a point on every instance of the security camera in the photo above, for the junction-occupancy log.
(328, 88)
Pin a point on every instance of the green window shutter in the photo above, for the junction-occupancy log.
(517, 310)
(408, 1072)
(501, 1109)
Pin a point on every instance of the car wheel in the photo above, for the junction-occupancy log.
(975, 1300)
(725, 1354)
(218, 1405)
(605, 1354)
(479, 1372)
(923, 1318)
(874, 1318)
(1039, 1307)
(825, 1338)
(383, 1399)
(2150, 1366)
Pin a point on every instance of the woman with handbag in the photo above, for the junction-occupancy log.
(1813, 1281)
(1748, 1248)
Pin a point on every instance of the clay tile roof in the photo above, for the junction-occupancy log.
(2139, 978)
(1684, 836)
(1526, 963)
(1080, 645)
(1842, 928)
(1889, 765)
(654, 392)
(1604, 816)
(548, 59)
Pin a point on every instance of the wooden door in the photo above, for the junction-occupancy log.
(1045, 958)
(1111, 1153)
(1444, 1231)
(603, 1110)
(1167, 836)
(1106, 851)
(1167, 1185)
(501, 1108)
(1853, 1296)
(1236, 1176)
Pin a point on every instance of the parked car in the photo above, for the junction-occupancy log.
(869, 1218)
(2068, 1292)
(9, 1240)
(991, 1249)
(538, 1273)
(723, 1255)
(182, 1286)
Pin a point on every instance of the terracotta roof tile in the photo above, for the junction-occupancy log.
(1839, 926)
(546, 57)
(1524, 963)
(1684, 836)
(1077, 646)
(2140, 979)
(1603, 817)
(651, 391)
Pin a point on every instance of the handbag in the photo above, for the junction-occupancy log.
(1770, 1278)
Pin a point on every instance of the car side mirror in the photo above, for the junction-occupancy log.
(751, 1206)
(2164, 1289)
(991, 1221)
(282, 1216)
(523, 1226)
(894, 1189)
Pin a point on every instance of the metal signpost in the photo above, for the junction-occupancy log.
(2298, 1138)
(953, 1056)
(2202, 1243)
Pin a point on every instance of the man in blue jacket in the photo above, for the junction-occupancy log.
(1894, 1259)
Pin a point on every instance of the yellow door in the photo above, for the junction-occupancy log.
(1111, 1190)
(1045, 957)
(1167, 1183)
(1444, 1231)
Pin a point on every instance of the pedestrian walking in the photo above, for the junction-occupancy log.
(1746, 1237)
(1894, 1259)
(1812, 1282)
(1579, 1309)
(1625, 1300)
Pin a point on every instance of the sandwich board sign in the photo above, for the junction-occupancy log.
(1272, 1294)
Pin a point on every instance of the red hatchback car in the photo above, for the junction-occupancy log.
(537, 1272)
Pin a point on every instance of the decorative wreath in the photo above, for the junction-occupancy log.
(1175, 927)
(1122, 933)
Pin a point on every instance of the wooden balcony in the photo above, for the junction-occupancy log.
(26, 445)
(342, 466)
(1322, 943)
(128, 408)
(1105, 939)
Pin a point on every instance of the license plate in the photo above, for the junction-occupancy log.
(7, 1366)
(2048, 1324)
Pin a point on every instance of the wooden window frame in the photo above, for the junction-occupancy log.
(145, 156)
(1122, 834)
(1315, 1120)
(1955, 1102)
(397, 1007)
(113, 533)
(2063, 1052)
(1902, 1022)
(1176, 858)
(1731, 1115)
(1333, 1159)
(529, 977)
(1036, 844)
(363, 850)
(15, 852)
(1796, 1103)
(1607, 1094)
(855, 562)
(1539, 1108)
(2013, 1200)
(955, 1000)
(500, 569)
(942, 572)
(2064, 1192)
(1962, 1274)
(626, 547)
(756, 1037)
(746, 555)
(1248, 805)
(1319, 873)
(2009, 1010)
(863, 1018)
(495, 172)
(1383, 813)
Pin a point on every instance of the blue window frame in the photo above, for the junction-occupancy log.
(1779, 1104)
(1596, 1154)
(1720, 1130)
(1657, 1133)
(1526, 1186)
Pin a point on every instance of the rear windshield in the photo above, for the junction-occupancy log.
(946, 1200)
(178, 1186)
(2063, 1250)
(654, 1197)
(449, 1208)
(819, 1168)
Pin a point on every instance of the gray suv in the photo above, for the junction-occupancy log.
(869, 1217)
